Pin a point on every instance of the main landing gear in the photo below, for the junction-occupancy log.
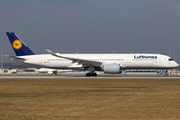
(91, 74)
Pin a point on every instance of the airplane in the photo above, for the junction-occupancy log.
(107, 63)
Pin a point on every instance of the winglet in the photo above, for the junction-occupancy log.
(53, 54)
(49, 51)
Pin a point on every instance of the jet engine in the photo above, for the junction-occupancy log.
(112, 68)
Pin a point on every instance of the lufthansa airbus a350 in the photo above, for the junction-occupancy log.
(108, 63)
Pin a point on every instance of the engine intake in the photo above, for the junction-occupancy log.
(112, 68)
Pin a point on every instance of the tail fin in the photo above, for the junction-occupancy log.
(20, 48)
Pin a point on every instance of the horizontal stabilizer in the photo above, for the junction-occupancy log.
(15, 58)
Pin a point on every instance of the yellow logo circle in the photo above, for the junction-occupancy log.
(17, 44)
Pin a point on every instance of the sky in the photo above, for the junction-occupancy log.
(92, 26)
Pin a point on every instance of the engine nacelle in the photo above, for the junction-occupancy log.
(112, 68)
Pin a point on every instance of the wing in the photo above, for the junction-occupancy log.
(80, 61)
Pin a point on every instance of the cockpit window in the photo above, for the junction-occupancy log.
(170, 59)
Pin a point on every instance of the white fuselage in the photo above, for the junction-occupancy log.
(126, 61)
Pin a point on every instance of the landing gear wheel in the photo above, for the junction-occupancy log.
(54, 72)
(166, 74)
(94, 74)
(88, 74)
(91, 74)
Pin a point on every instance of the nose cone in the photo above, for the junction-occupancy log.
(175, 64)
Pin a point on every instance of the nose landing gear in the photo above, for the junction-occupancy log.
(161, 72)
(166, 73)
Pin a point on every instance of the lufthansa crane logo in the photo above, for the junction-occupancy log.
(17, 44)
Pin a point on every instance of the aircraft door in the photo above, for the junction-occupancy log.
(129, 59)
(41, 59)
(160, 59)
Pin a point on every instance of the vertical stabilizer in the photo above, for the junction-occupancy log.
(20, 48)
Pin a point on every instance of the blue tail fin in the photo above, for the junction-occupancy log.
(20, 48)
